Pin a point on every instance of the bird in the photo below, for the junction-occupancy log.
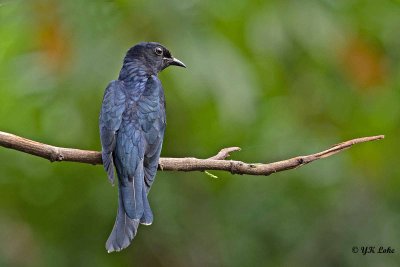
(132, 123)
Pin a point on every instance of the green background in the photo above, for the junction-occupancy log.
(276, 78)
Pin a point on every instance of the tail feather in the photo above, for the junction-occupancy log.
(124, 229)
(132, 202)
(132, 194)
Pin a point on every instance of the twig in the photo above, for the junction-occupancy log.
(217, 162)
(224, 153)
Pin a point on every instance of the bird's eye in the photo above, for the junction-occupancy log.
(158, 51)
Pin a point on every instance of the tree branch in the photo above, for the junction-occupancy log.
(217, 162)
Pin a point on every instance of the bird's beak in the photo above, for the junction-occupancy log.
(176, 62)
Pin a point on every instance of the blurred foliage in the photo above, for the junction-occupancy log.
(277, 78)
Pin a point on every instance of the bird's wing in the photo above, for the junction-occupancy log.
(153, 123)
(128, 158)
(109, 122)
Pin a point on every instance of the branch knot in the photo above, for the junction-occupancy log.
(56, 155)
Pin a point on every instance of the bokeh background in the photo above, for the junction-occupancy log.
(277, 78)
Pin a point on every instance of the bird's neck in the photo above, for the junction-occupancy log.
(133, 70)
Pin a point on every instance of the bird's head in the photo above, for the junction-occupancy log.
(154, 56)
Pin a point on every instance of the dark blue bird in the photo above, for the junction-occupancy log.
(132, 124)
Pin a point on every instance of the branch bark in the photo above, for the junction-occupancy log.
(217, 162)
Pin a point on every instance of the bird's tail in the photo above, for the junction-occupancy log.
(124, 229)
